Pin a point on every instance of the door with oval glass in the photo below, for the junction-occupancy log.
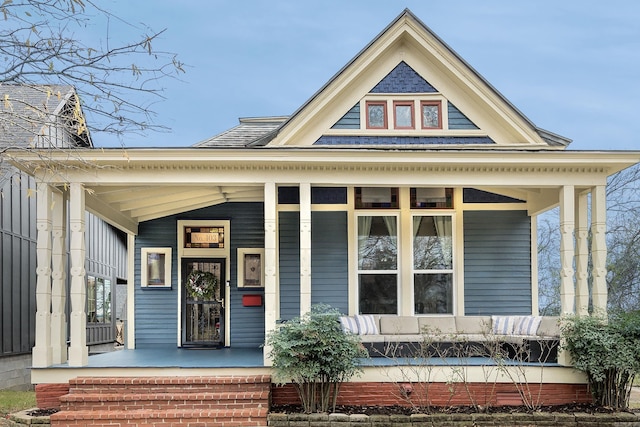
(203, 302)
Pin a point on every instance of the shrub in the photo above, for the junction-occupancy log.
(316, 355)
(608, 351)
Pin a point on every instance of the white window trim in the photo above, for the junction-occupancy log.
(398, 271)
(428, 212)
(240, 260)
(144, 279)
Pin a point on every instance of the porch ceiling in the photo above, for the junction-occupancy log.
(129, 205)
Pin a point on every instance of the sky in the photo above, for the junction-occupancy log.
(571, 66)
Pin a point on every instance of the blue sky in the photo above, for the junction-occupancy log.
(571, 66)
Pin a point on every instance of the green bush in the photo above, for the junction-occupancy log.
(608, 351)
(316, 355)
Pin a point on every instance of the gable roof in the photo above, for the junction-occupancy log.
(408, 40)
(26, 112)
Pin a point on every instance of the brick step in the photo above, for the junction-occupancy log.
(181, 400)
(167, 384)
(173, 417)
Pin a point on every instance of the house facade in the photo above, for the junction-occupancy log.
(407, 185)
(38, 116)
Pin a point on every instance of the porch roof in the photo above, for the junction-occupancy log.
(126, 187)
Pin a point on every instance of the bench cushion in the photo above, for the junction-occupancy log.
(394, 325)
(445, 325)
(473, 324)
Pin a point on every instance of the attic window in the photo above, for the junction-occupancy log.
(430, 114)
(403, 114)
(376, 115)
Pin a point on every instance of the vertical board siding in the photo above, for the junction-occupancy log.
(156, 310)
(289, 267)
(330, 260)
(497, 262)
(17, 265)
(106, 257)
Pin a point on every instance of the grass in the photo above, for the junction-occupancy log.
(13, 401)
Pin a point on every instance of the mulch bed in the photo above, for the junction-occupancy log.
(407, 410)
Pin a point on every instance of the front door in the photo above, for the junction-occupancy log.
(203, 281)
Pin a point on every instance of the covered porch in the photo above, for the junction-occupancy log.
(127, 192)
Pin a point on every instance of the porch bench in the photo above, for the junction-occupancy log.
(522, 338)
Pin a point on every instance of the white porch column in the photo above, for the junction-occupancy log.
(42, 354)
(305, 248)
(582, 255)
(270, 263)
(567, 251)
(599, 248)
(58, 284)
(78, 351)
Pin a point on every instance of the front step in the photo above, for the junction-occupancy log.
(166, 418)
(165, 401)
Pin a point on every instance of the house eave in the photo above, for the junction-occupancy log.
(93, 163)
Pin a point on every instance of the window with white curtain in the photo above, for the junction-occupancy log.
(433, 264)
(378, 264)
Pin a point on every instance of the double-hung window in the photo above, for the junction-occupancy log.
(432, 264)
(378, 263)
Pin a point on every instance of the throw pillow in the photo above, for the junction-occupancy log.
(502, 325)
(349, 324)
(366, 324)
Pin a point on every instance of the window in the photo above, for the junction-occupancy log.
(376, 115)
(403, 114)
(378, 264)
(376, 197)
(432, 198)
(430, 114)
(98, 300)
(433, 264)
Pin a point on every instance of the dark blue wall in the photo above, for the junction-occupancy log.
(497, 263)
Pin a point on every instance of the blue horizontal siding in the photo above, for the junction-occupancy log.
(457, 120)
(289, 268)
(351, 120)
(329, 260)
(497, 262)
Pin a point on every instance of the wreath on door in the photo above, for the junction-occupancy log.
(202, 285)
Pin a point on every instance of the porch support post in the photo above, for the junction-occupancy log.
(582, 255)
(59, 276)
(78, 351)
(305, 248)
(42, 353)
(567, 251)
(599, 248)
(270, 263)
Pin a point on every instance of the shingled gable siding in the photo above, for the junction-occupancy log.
(156, 309)
(497, 262)
(401, 140)
(289, 268)
(329, 260)
(403, 79)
